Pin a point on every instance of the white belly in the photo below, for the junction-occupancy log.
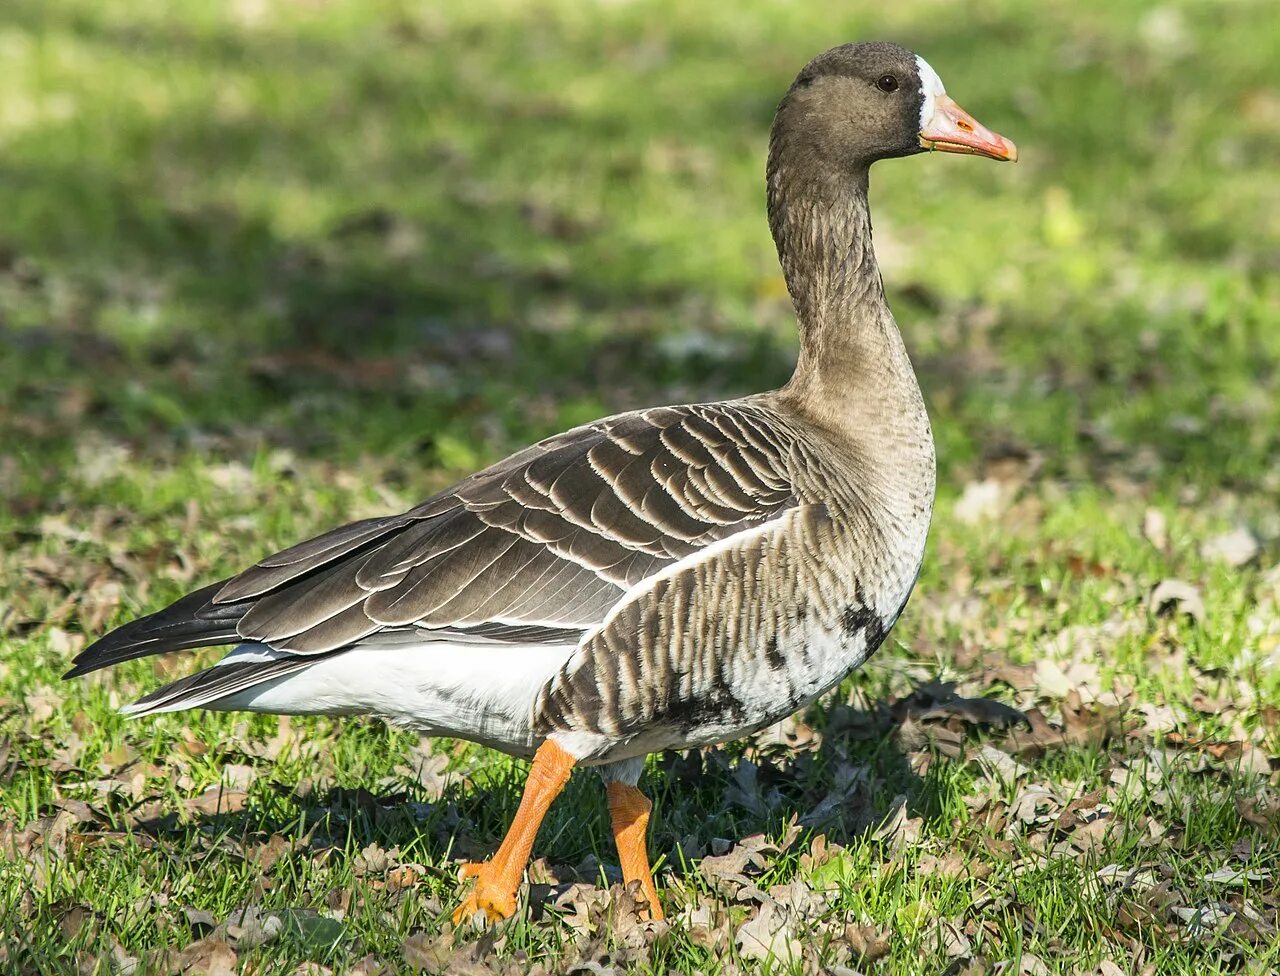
(482, 692)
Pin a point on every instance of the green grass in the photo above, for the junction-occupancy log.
(266, 266)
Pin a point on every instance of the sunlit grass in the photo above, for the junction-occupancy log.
(268, 266)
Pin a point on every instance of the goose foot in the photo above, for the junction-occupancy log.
(494, 893)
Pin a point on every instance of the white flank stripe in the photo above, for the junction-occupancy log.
(647, 584)
(485, 693)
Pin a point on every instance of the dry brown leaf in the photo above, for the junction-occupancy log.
(374, 859)
(868, 943)
(950, 937)
(974, 711)
(369, 966)
(706, 925)
(981, 501)
(898, 827)
(838, 806)
(914, 735)
(1236, 548)
(800, 899)
(1039, 737)
(769, 934)
(277, 846)
(821, 850)
(251, 927)
(1203, 920)
(745, 790)
(1034, 807)
(1051, 680)
(1155, 528)
(237, 777)
(953, 865)
(50, 833)
(728, 872)
(405, 876)
(426, 767)
(1000, 765)
(1175, 597)
(792, 734)
(428, 953)
(1262, 811)
(1092, 835)
(208, 957)
(216, 800)
(1095, 723)
(1244, 757)
(1027, 965)
(117, 962)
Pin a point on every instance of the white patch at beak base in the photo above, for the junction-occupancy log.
(931, 88)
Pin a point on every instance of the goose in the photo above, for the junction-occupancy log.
(666, 578)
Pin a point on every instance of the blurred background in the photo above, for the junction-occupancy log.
(430, 232)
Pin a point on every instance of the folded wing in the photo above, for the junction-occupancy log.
(535, 549)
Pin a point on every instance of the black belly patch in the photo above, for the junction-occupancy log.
(864, 620)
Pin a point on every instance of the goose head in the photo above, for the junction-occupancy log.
(859, 103)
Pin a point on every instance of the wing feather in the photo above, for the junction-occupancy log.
(546, 542)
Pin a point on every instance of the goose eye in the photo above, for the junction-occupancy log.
(887, 83)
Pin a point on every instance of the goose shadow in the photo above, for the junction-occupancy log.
(836, 770)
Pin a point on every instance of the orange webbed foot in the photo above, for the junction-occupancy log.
(494, 893)
(498, 879)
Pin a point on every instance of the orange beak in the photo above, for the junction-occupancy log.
(954, 130)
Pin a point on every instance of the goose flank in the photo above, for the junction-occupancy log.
(661, 579)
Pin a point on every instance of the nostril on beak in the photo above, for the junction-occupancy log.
(964, 124)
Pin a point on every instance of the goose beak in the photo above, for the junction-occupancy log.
(954, 130)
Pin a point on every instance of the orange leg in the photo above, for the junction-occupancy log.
(629, 809)
(498, 879)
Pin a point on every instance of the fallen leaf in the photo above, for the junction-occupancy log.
(980, 501)
(769, 935)
(1155, 528)
(208, 957)
(374, 859)
(428, 953)
(237, 777)
(405, 876)
(216, 800)
(975, 711)
(1236, 548)
(252, 926)
(1000, 765)
(1204, 920)
(1260, 811)
(1173, 596)
(869, 943)
(952, 865)
(369, 966)
(1027, 965)
(1095, 723)
(1227, 876)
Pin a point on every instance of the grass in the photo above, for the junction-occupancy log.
(267, 266)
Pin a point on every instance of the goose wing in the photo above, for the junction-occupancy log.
(535, 549)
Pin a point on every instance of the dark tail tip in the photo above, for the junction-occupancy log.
(193, 621)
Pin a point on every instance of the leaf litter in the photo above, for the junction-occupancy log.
(1002, 722)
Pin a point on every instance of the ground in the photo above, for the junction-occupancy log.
(270, 265)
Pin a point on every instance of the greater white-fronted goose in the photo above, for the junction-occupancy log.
(661, 579)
